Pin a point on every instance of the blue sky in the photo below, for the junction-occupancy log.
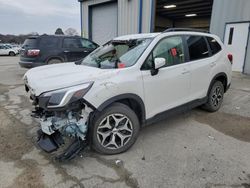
(42, 16)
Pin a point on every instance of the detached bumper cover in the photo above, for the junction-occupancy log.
(49, 143)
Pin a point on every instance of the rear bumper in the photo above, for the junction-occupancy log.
(26, 64)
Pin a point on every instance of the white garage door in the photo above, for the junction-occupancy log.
(104, 22)
(235, 39)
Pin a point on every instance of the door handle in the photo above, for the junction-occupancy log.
(212, 64)
(66, 51)
(85, 51)
(185, 71)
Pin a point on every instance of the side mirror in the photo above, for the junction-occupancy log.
(158, 63)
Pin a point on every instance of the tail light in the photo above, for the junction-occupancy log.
(230, 58)
(33, 52)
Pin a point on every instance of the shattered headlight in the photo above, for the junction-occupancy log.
(61, 97)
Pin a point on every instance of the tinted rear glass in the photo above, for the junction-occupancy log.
(72, 43)
(29, 43)
(197, 47)
(214, 45)
(49, 42)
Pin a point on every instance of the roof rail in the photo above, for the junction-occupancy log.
(185, 29)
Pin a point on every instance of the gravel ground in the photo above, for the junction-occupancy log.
(195, 149)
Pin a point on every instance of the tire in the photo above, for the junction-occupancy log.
(215, 97)
(54, 61)
(12, 54)
(109, 125)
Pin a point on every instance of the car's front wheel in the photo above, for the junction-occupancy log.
(114, 130)
(215, 97)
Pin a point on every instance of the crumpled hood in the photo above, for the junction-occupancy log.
(52, 77)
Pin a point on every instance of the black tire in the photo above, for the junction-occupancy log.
(12, 54)
(99, 128)
(215, 97)
(54, 61)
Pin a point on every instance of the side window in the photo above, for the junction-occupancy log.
(214, 45)
(171, 49)
(88, 44)
(231, 33)
(197, 47)
(72, 43)
(49, 42)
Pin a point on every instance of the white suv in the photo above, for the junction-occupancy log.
(7, 50)
(129, 82)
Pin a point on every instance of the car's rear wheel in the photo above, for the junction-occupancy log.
(54, 61)
(114, 130)
(215, 97)
(12, 54)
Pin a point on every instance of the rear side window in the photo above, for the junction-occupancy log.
(49, 42)
(214, 45)
(198, 48)
(30, 43)
(72, 43)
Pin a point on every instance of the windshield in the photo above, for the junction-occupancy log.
(117, 54)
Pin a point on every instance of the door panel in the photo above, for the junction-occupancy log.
(235, 39)
(166, 90)
(3, 50)
(200, 65)
(73, 49)
(170, 87)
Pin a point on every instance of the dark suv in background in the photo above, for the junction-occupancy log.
(52, 49)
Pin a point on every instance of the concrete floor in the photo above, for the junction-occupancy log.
(193, 150)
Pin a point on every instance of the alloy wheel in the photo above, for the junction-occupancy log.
(114, 131)
(217, 96)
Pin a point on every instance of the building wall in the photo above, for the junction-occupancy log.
(230, 11)
(128, 15)
(161, 23)
(201, 23)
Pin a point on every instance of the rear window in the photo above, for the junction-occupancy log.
(214, 45)
(30, 43)
(198, 48)
(49, 42)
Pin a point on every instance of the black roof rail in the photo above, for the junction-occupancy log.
(185, 29)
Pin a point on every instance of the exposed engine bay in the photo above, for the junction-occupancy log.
(55, 126)
(72, 124)
(62, 114)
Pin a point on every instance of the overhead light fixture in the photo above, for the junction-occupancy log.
(170, 6)
(190, 15)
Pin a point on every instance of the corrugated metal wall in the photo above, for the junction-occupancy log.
(128, 19)
(225, 11)
(128, 15)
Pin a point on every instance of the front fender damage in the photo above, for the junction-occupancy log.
(55, 126)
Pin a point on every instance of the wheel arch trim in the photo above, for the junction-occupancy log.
(126, 96)
(214, 78)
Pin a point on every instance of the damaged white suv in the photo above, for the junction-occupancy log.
(129, 82)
